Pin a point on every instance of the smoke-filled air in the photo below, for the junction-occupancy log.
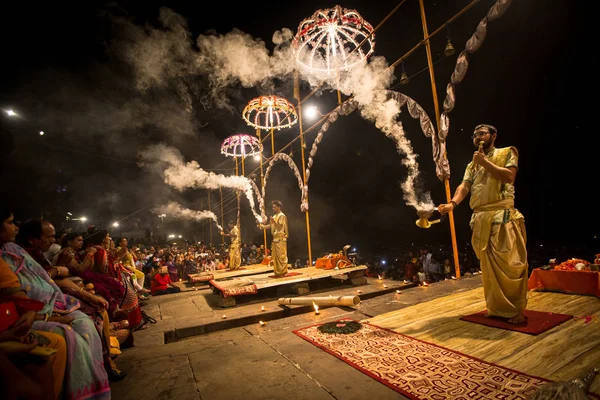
(175, 210)
(183, 175)
(168, 55)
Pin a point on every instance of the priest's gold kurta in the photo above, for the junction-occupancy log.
(499, 238)
(235, 257)
(279, 230)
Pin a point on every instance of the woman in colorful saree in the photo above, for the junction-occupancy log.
(105, 261)
(86, 376)
(110, 289)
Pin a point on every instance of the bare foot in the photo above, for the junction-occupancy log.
(517, 320)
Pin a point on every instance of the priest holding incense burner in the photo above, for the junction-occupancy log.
(279, 230)
(499, 236)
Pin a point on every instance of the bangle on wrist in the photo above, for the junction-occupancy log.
(454, 203)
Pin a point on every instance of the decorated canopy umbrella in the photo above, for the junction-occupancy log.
(241, 146)
(333, 39)
(270, 112)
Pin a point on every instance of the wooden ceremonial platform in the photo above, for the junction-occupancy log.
(221, 274)
(563, 353)
(296, 281)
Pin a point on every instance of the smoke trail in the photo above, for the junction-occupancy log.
(368, 84)
(174, 210)
(182, 175)
(238, 58)
(304, 188)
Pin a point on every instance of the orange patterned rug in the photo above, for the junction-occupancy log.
(420, 370)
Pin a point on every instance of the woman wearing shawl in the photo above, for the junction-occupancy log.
(86, 377)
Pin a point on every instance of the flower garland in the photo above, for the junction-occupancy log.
(342, 327)
(587, 318)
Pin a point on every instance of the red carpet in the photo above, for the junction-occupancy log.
(420, 370)
(536, 322)
(286, 275)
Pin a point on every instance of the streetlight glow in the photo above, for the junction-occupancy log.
(311, 112)
(115, 224)
(41, 133)
(83, 219)
(257, 157)
(11, 113)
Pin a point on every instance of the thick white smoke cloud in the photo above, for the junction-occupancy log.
(183, 175)
(175, 210)
(238, 58)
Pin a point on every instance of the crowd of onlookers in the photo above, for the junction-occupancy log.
(70, 301)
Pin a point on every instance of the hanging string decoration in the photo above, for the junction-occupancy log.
(343, 109)
(304, 188)
(460, 70)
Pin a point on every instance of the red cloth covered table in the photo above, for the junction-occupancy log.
(574, 282)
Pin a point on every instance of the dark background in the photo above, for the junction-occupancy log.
(532, 79)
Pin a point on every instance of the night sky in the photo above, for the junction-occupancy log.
(63, 74)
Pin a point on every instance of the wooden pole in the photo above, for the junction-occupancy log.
(262, 182)
(272, 141)
(237, 194)
(210, 225)
(302, 147)
(325, 301)
(222, 213)
(437, 118)
(202, 222)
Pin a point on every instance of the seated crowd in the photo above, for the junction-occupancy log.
(68, 309)
(70, 302)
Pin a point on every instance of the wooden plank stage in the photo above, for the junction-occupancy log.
(560, 354)
(263, 281)
(222, 274)
(247, 270)
(297, 282)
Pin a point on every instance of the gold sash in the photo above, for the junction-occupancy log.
(482, 222)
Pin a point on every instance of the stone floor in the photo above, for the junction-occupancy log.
(177, 358)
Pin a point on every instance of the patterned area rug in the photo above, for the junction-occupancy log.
(234, 290)
(195, 278)
(535, 322)
(420, 370)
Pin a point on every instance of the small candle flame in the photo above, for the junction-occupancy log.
(316, 307)
(397, 291)
(262, 308)
(262, 323)
(405, 281)
(380, 277)
(453, 277)
(425, 284)
(358, 291)
(384, 285)
(179, 279)
(224, 316)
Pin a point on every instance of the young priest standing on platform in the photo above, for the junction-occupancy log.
(235, 257)
(499, 236)
(279, 230)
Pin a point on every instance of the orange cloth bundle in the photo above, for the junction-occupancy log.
(333, 260)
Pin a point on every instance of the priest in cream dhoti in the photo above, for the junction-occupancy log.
(499, 238)
(235, 257)
(279, 231)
